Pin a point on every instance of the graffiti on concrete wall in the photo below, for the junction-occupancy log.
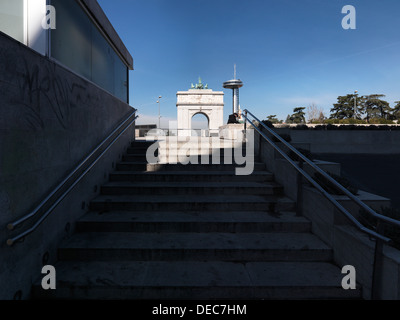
(40, 94)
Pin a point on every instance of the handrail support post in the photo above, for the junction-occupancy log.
(378, 265)
(299, 200)
(245, 126)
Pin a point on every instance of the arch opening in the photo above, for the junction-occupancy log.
(200, 124)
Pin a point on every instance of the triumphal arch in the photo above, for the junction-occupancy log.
(200, 100)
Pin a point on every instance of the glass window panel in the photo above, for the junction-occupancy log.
(12, 19)
(71, 42)
(121, 79)
(102, 62)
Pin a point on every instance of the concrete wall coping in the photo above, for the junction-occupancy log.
(312, 126)
(362, 195)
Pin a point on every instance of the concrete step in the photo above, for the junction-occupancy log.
(202, 148)
(139, 157)
(139, 148)
(174, 159)
(196, 281)
(180, 148)
(215, 143)
(190, 176)
(204, 153)
(179, 158)
(141, 144)
(191, 188)
(144, 166)
(173, 231)
(111, 246)
(216, 203)
(193, 222)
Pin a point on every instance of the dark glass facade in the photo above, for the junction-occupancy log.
(78, 44)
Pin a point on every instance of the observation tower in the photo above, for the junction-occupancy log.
(234, 84)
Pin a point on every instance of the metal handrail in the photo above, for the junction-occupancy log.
(120, 130)
(328, 177)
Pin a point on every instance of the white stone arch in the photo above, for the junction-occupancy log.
(207, 102)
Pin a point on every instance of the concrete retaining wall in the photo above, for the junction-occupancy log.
(350, 246)
(50, 120)
(346, 141)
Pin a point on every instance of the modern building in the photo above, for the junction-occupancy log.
(64, 103)
(75, 34)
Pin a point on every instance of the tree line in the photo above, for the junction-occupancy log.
(351, 109)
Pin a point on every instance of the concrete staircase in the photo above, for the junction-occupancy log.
(170, 231)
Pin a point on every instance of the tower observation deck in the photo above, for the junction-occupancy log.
(235, 85)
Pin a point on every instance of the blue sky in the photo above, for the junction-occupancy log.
(289, 53)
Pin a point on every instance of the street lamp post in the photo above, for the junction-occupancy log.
(355, 104)
(159, 112)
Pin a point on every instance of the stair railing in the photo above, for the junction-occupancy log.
(47, 206)
(380, 239)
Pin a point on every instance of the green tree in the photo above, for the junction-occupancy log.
(298, 115)
(396, 111)
(289, 119)
(375, 107)
(273, 119)
(344, 108)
